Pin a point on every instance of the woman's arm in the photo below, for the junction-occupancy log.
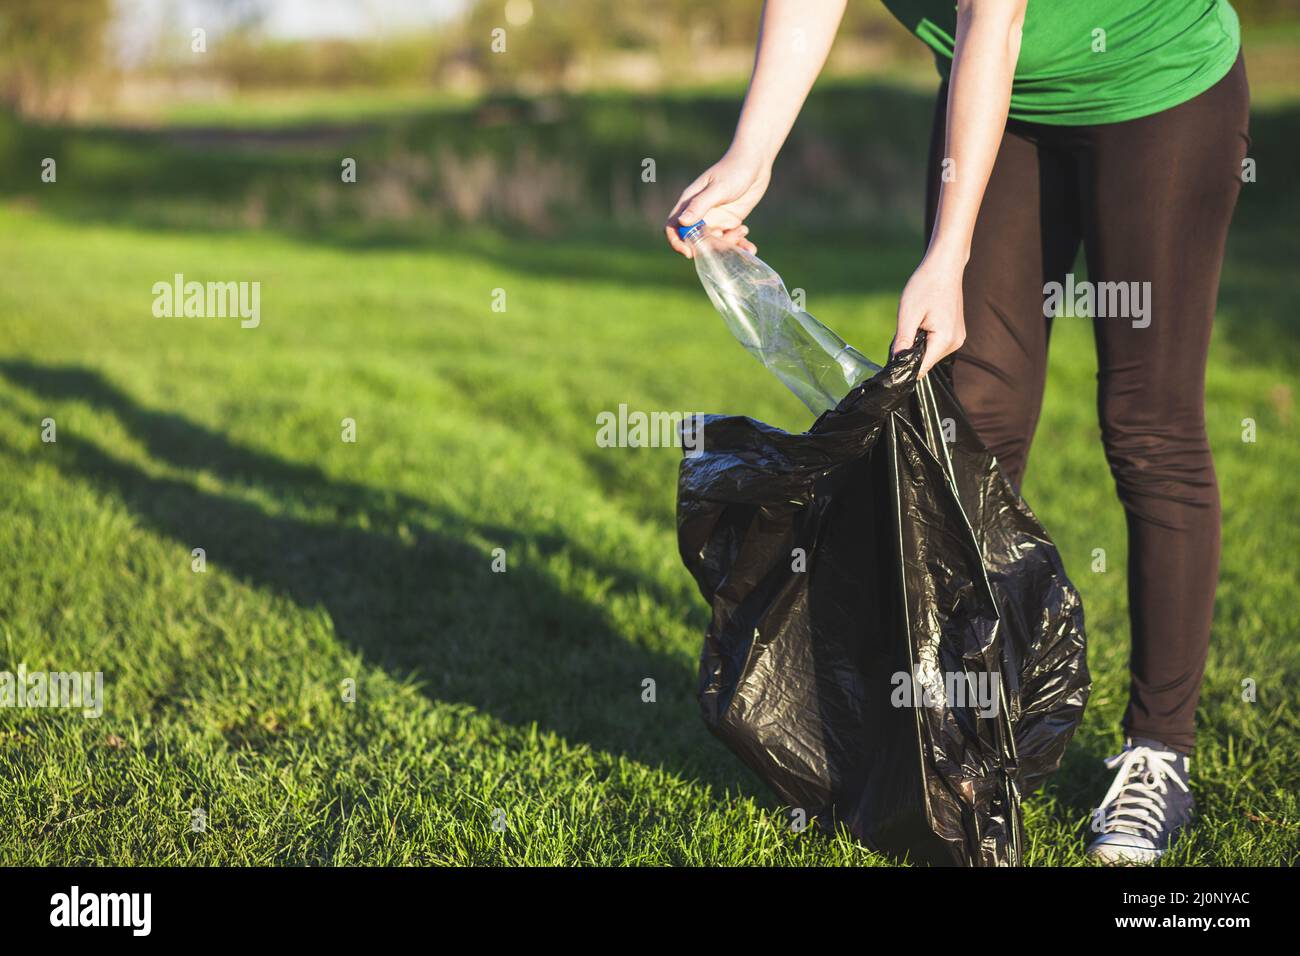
(979, 96)
(793, 43)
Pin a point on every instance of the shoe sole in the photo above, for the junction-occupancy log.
(1124, 855)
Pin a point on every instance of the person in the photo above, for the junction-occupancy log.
(1118, 125)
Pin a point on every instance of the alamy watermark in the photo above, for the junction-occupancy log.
(638, 429)
(208, 300)
(133, 911)
(929, 687)
(53, 690)
(1098, 300)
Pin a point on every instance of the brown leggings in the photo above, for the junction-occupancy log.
(1150, 200)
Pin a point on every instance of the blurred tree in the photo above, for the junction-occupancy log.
(545, 39)
(1268, 12)
(49, 50)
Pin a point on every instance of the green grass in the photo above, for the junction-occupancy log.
(513, 697)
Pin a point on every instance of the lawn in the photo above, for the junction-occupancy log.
(353, 679)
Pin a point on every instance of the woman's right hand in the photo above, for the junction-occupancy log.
(723, 195)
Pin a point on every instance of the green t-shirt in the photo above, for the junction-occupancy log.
(1099, 61)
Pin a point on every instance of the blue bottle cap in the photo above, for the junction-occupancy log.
(689, 232)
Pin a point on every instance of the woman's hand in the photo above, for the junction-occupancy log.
(723, 195)
(932, 301)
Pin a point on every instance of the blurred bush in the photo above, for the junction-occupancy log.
(50, 52)
(540, 164)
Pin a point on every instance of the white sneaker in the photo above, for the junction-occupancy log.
(1142, 814)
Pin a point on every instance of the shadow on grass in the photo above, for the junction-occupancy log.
(418, 601)
(426, 603)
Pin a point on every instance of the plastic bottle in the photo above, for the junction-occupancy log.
(810, 359)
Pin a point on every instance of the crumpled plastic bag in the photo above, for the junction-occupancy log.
(841, 562)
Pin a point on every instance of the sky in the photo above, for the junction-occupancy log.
(344, 18)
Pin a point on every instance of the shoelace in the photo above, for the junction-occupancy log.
(1135, 802)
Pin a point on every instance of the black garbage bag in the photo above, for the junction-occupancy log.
(894, 644)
